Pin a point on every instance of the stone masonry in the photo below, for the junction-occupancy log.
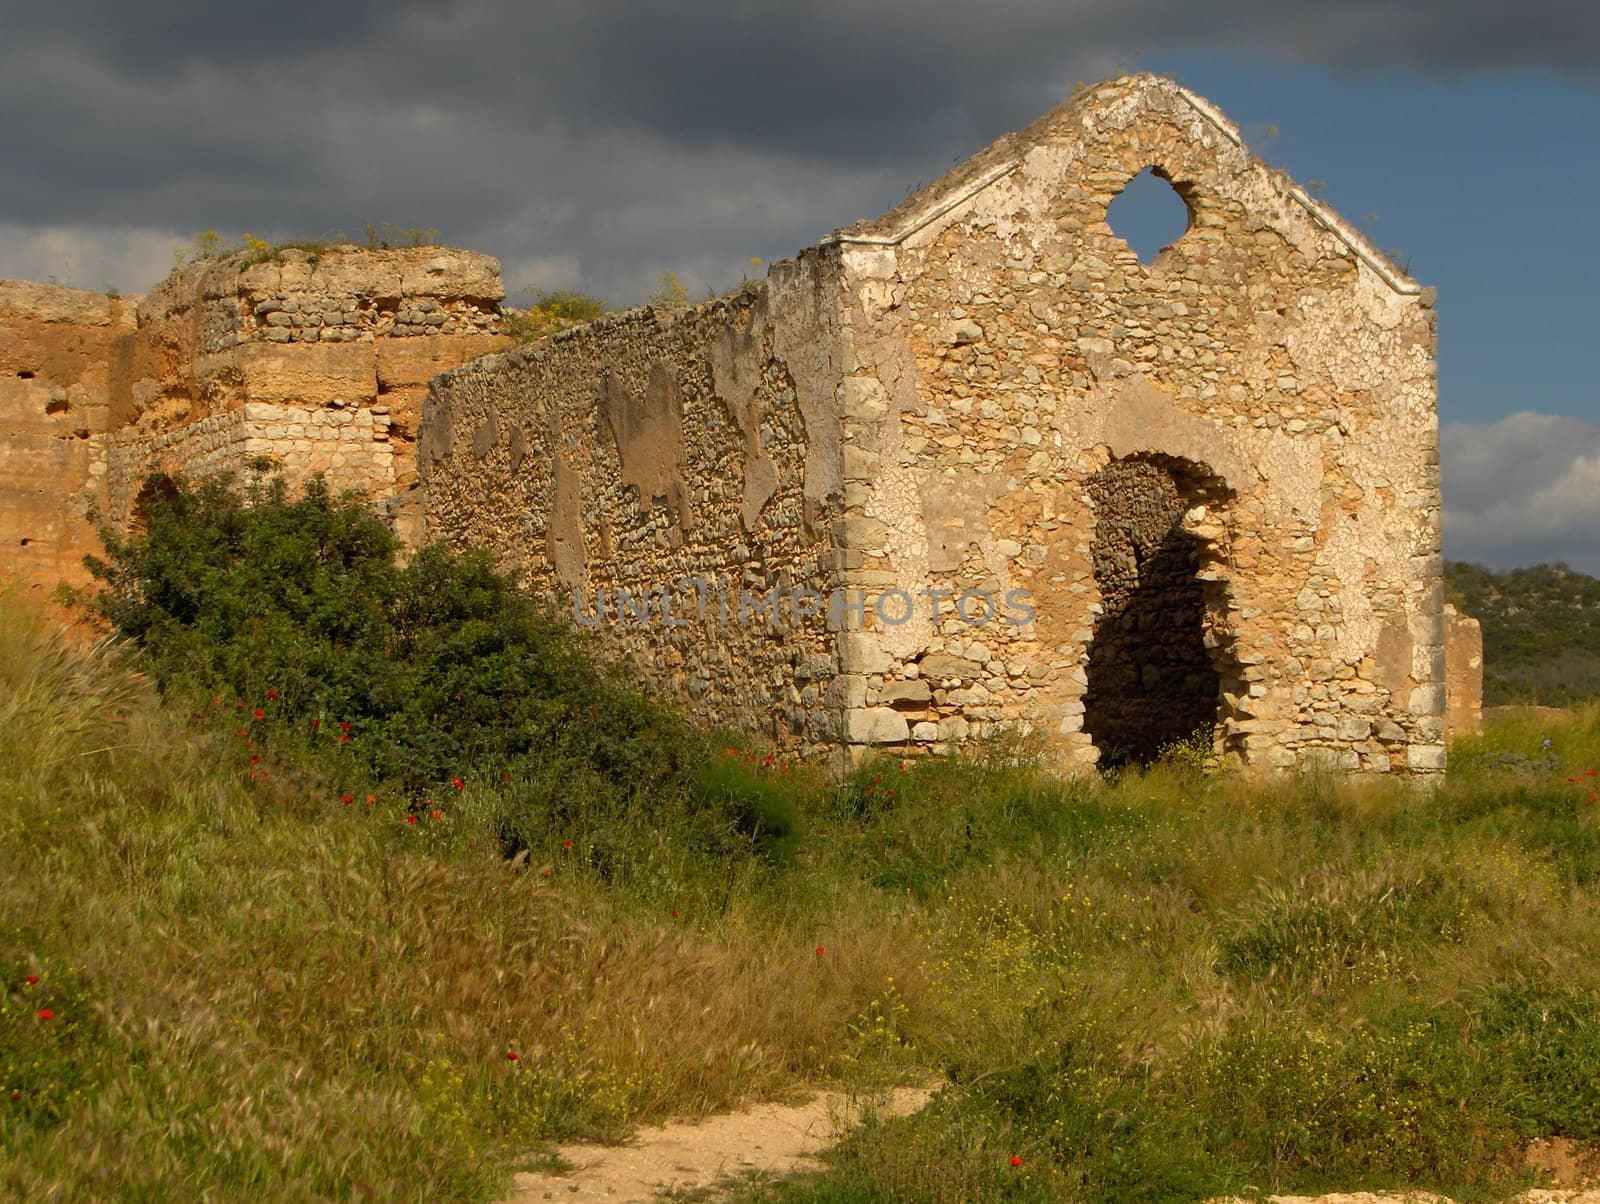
(317, 361)
(975, 465)
(970, 466)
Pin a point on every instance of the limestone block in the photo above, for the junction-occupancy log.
(1426, 700)
(862, 652)
(1425, 758)
(940, 665)
(306, 374)
(876, 725)
(905, 692)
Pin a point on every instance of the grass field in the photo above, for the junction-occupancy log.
(228, 974)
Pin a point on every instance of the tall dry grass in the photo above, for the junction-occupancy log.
(1159, 986)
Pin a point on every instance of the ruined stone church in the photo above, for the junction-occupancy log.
(971, 465)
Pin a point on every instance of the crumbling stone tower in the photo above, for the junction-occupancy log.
(1209, 482)
(315, 360)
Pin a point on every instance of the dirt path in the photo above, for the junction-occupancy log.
(681, 1156)
(1536, 1196)
(785, 1140)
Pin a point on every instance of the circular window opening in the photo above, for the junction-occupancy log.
(1148, 215)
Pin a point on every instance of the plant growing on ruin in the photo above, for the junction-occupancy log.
(383, 236)
(669, 290)
(534, 313)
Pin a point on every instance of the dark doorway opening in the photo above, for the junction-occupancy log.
(1152, 679)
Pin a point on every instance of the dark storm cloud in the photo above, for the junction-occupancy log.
(596, 142)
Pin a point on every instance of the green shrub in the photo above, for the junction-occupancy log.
(534, 313)
(759, 805)
(295, 614)
(1546, 1042)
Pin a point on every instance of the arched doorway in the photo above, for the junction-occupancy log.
(1152, 678)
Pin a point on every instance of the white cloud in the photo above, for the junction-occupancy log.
(87, 256)
(1522, 490)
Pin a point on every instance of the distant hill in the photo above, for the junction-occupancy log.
(1541, 630)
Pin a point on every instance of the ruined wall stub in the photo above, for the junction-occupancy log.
(963, 398)
(1463, 664)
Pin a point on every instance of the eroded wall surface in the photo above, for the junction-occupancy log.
(690, 455)
(316, 361)
(1015, 347)
(64, 360)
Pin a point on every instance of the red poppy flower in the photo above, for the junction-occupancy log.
(238, 706)
(244, 731)
(272, 693)
(371, 798)
(32, 980)
(566, 844)
(820, 951)
(1016, 1161)
(255, 758)
(458, 783)
(411, 819)
(346, 799)
(673, 913)
(345, 726)
(46, 1014)
(510, 1056)
(260, 714)
(315, 724)
(216, 701)
(438, 815)
(344, 739)
(505, 777)
(1589, 773)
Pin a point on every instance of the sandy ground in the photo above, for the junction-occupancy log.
(683, 1156)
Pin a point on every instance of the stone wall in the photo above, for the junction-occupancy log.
(1110, 501)
(316, 360)
(1021, 347)
(1209, 482)
(347, 444)
(364, 327)
(64, 363)
(677, 468)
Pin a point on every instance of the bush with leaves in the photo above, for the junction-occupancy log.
(294, 614)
